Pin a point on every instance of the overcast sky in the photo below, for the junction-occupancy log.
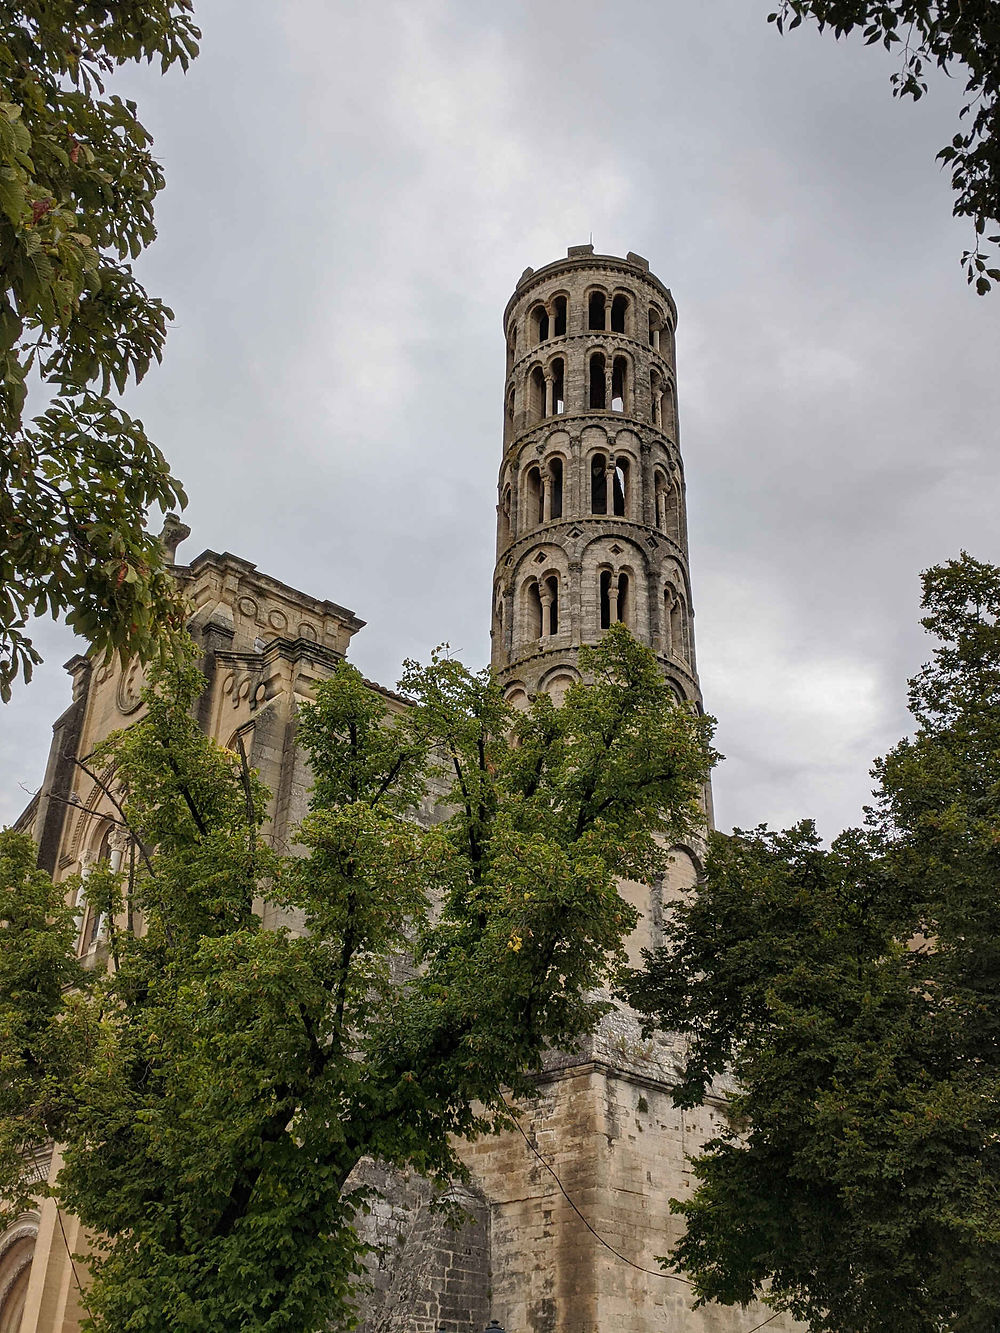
(353, 190)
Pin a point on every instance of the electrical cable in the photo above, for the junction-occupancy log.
(72, 1264)
(653, 1272)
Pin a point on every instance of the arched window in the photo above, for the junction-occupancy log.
(536, 394)
(539, 324)
(505, 516)
(615, 598)
(555, 488)
(533, 611)
(598, 484)
(560, 308)
(509, 411)
(668, 421)
(619, 311)
(534, 498)
(596, 308)
(655, 327)
(558, 372)
(619, 385)
(598, 381)
(605, 598)
(549, 596)
(675, 624)
(511, 350)
(624, 608)
(655, 395)
(620, 478)
(669, 510)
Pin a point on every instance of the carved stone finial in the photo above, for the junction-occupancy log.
(174, 532)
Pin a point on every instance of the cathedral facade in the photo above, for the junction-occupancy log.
(565, 1220)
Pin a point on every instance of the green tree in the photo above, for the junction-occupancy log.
(953, 35)
(77, 188)
(234, 1076)
(853, 997)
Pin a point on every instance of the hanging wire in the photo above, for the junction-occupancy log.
(653, 1272)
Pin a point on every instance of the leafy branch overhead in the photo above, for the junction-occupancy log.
(78, 184)
(955, 36)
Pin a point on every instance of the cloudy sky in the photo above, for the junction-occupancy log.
(354, 189)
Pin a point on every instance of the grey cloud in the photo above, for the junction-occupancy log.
(354, 190)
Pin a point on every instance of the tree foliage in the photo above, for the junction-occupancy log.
(233, 1076)
(853, 995)
(952, 35)
(77, 188)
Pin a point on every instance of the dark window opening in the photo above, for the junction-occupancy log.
(598, 384)
(505, 515)
(559, 321)
(619, 308)
(623, 607)
(605, 599)
(595, 310)
(618, 378)
(598, 485)
(558, 386)
(552, 588)
(534, 609)
(536, 394)
(620, 485)
(556, 485)
(534, 496)
(540, 323)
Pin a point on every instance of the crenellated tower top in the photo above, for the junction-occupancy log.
(591, 525)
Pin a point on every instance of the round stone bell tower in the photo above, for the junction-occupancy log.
(591, 521)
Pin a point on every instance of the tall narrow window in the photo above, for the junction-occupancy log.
(672, 512)
(558, 370)
(552, 603)
(559, 305)
(509, 411)
(624, 602)
(655, 327)
(620, 485)
(655, 394)
(533, 611)
(678, 629)
(556, 488)
(619, 310)
(539, 324)
(536, 394)
(667, 419)
(619, 384)
(595, 310)
(534, 497)
(505, 516)
(660, 500)
(598, 382)
(598, 484)
(605, 598)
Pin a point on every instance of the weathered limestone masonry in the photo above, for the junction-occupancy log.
(591, 530)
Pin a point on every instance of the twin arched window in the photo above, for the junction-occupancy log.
(607, 315)
(548, 321)
(608, 389)
(543, 493)
(667, 500)
(609, 485)
(547, 390)
(614, 597)
(542, 607)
